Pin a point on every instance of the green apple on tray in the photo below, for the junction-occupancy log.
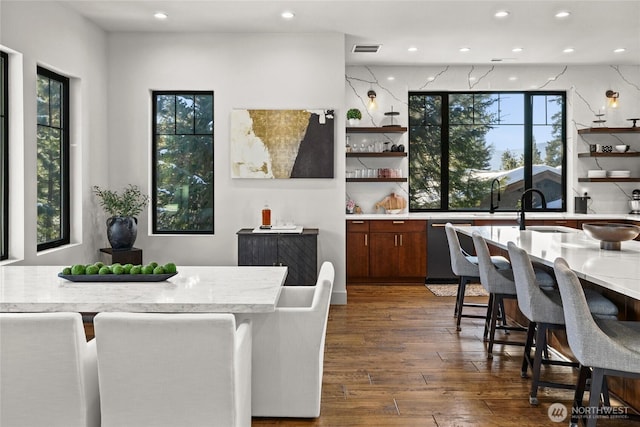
(118, 269)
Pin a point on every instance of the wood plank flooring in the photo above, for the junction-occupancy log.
(394, 358)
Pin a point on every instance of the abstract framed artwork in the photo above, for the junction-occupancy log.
(281, 144)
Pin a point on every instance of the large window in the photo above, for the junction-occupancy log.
(463, 143)
(4, 155)
(182, 200)
(53, 159)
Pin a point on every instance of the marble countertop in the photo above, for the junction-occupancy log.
(193, 289)
(495, 216)
(615, 270)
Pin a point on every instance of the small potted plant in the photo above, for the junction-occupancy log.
(350, 206)
(353, 116)
(122, 225)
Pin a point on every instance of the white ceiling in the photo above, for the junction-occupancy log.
(437, 28)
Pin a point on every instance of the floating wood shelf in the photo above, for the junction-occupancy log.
(376, 179)
(383, 154)
(382, 129)
(609, 130)
(608, 179)
(627, 154)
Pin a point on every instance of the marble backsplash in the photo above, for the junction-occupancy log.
(585, 86)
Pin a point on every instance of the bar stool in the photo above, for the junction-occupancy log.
(608, 347)
(543, 308)
(465, 266)
(500, 285)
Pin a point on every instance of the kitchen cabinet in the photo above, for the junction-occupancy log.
(298, 252)
(357, 249)
(387, 251)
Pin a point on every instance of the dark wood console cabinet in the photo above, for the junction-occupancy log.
(298, 252)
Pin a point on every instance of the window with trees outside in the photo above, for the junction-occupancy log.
(462, 143)
(4, 155)
(53, 159)
(182, 200)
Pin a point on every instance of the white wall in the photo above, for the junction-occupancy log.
(271, 71)
(112, 77)
(585, 85)
(77, 51)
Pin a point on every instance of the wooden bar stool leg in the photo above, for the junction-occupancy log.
(526, 359)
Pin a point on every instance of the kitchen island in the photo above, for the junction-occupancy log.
(615, 274)
(617, 271)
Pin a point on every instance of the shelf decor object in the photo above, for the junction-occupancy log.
(391, 114)
(282, 144)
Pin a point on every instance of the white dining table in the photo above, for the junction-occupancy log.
(195, 289)
(618, 271)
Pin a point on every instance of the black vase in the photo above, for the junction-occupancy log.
(122, 232)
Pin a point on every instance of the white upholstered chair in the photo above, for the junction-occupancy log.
(173, 369)
(288, 350)
(48, 373)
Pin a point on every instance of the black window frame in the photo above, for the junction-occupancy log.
(65, 214)
(4, 191)
(528, 153)
(154, 160)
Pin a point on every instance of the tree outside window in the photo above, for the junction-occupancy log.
(53, 159)
(461, 142)
(183, 162)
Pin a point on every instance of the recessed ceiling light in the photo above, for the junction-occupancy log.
(563, 14)
(569, 50)
(287, 14)
(513, 78)
(390, 78)
(619, 50)
(464, 49)
(430, 78)
(517, 49)
(413, 49)
(501, 14)
(160, 15)
(472, 79)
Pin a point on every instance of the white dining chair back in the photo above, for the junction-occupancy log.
(168, 370)
(48, 373)
(288, 350)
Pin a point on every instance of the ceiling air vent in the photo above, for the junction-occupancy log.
(366, 48)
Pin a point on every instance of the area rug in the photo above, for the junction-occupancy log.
(472, 290)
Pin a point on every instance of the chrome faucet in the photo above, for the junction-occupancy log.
(493, 208)
(522, 207)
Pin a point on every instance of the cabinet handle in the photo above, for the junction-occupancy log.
(398, 222)
(401, 240)
(395, 240)
(357, 222)
(366, 240)
(442, 225)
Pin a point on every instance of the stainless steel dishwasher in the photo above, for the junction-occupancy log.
(438, 260)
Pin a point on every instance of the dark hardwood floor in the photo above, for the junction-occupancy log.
(394, 358)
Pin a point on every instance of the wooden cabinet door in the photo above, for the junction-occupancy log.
(412, 255)
(357, 255)
(383, 254)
